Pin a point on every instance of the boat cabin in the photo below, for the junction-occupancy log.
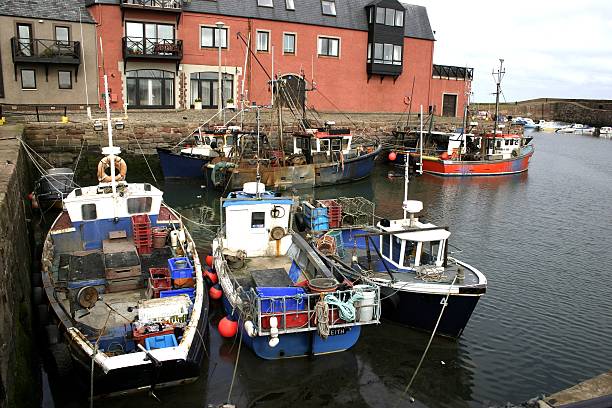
(328, 141)
(257, 221)
(221, 139)
(423, 245)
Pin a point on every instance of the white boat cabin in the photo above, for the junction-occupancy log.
(327, 141)
(410, 250)
(222, 139)
(257, 222)
(505, 144)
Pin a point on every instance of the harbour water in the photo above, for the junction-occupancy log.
(544, 240)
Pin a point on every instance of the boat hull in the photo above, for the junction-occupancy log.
(302, 176)
(421, 310)
(519, 164)
(301, 344)
(175, 165)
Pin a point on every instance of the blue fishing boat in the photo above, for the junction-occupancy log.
(123, 301)
(286, 301)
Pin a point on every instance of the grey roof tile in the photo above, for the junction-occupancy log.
(63, 10)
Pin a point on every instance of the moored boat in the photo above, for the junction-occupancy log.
(52, 187)
(577, 128)
(286, 300)
(102, 320)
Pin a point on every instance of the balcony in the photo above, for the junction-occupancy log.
(152, 48)
(162, 5)
(46, 51)
(451, 72)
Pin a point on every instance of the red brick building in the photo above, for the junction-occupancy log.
(358, 55)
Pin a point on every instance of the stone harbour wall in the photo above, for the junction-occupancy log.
(18, 370)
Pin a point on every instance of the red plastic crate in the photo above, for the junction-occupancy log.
(334, 212)
(142, 219)
(293, 320)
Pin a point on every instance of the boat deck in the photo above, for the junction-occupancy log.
(470, 278)
(271, 271)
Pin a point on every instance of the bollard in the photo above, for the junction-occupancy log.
(65, 119)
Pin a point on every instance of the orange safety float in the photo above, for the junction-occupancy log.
(215, 292)
(227, 327)
(120, 169)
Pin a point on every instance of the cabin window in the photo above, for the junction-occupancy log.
(429, 253)
(207, 140)
(139, 205)
(499, 143)
(397, 249)
(385, 245)
(336, 144)
(230, 140)
(345, 144)
(258, 219)
(324, 145)
(88, 212)
(409, 253)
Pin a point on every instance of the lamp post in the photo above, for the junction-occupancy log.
(219, 25)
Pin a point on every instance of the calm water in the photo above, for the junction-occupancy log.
(544, 240)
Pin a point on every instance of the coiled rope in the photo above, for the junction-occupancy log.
(347, 311)
(322, 318)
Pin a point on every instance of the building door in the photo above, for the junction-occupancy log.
(150, 88)
(205, 86)
(449, 105)
(24, 39)
(292, 92)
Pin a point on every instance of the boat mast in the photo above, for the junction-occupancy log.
(111, 151)
(498, 77)
(406, 181)
(420, 148)
(258, 178)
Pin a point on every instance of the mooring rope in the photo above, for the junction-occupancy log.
(229, 394)
(322, 318)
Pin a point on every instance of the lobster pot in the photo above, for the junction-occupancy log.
(174, 309)
(315, 217)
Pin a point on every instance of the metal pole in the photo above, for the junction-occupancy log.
(272, 97)
(497, 92)
(258, 175)
(421, 145)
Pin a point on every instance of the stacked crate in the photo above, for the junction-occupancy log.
(334, 212)
(159, 281)
(141, 228)
(315, 217)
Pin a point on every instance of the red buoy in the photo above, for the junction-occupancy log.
(209, 260)
(392, 156)
(30, 196)
(444, 156)
(212, 276)
(227, 328)
(215, 292)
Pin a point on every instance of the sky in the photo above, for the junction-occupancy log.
(550, 48)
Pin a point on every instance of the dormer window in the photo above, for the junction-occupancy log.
(289, 5)
(265, 3)
(329, 7)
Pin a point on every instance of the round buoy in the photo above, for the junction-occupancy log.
(392, 156)
(209, 260)
(215, 292)
(212, 276)
(444, 156)
(227, 327)
(30, 196)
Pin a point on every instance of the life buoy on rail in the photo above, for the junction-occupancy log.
(120, 169)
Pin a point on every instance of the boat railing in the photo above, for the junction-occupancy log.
(306, 311)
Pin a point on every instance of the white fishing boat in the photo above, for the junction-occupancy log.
(578, 129)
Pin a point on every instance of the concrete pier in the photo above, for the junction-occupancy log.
(595, 392)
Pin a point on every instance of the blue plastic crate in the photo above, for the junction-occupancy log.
(180, 268)
(312, 211)
(176, 292)
(158, 342)
(296, 299)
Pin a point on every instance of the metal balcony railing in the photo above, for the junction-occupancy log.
(46, 51)
(138, 47)
(171, 5)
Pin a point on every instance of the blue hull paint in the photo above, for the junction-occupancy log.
(353, 169)
(176, 165)
(296, 344)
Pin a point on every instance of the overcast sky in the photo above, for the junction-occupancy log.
(550, 48)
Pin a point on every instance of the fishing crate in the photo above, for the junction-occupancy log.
(272, 299)
(141, 233)
(159, 281)
(334, 212)
(180, 268)
(140, 335)
(158, 342)
(176, 292)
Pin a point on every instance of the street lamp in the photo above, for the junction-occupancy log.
(219, 25)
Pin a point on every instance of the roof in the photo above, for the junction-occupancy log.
(62, 10)
(428, 232)
(350, 14)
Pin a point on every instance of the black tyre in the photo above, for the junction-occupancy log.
(36, 279)
(53, 334)
(37, 295)
(43, 315)
(61, 359)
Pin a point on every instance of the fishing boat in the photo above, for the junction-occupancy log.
(491, 154)
(286, 301)
(124, 299)
(549, 126)
(421, 285)
(577, 128)
(319, 157)
(52, 187)
(186, 160)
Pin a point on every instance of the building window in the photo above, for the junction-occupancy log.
(150, 88)
(329, 47)
(139, 205)
(148, 38)
(28, 79)
(329, 7)
(258, 219)
(265, 3)
(390, 17)
(387, 54)
(369, 52)
(64, 79)
(288, 43)
(88, 212)
(263, 41)
(289, 4)
(24, 36)
(205, 85)
(62, 35)
(210, 37)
